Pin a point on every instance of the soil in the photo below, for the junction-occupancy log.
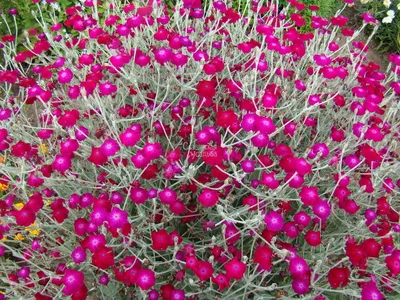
(355, 22)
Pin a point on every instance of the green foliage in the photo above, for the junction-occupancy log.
(328, 9)
(387, 37)
(25, 20)
(241, 5)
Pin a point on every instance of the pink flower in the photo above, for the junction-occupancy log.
(208, 197)
(163, 55)
(61, 163)
(139, 195)
(140, 160)
(269, 180)
(97, 157)
(274, 221)
(232, 234)
(107, 88)
(322, 209)
(160, 240)
(104, 279)
(78, 255)
(99, 215)
(103, 258)
(192, 3)
(65, 76)
(263, 257)
(117, 218)
(222, 281)
(96, 241)
(235, 269)
(368, 18)
(203, 270)
(73, 280)
(309, 195)
(313, 238)
(145, 279)
(110, 147)
(371, 291)
(152, 150)
(298, 267)
(168, 196)
(301, 286)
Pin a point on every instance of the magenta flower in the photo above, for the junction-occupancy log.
(78, 255)
(110, 147)
(117, 218)
(65, 76)
(274, 221)
(72, 280)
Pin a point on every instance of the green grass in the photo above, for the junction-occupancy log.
(327, 10)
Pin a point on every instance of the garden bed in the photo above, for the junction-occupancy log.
(151, 152)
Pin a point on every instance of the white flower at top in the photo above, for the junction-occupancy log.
(388, 19)
(56, 6)
(390, 13)
(387, 3)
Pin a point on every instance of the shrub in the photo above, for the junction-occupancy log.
(326, 9)
(198, 154)
(24, 22)
(387, 12)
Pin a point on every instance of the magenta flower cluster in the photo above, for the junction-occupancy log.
(197, 152)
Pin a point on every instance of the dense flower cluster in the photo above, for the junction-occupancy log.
(198, 153)
(387, 4)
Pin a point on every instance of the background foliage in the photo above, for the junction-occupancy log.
(388, 35)
(387, 39)
(25, 20)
